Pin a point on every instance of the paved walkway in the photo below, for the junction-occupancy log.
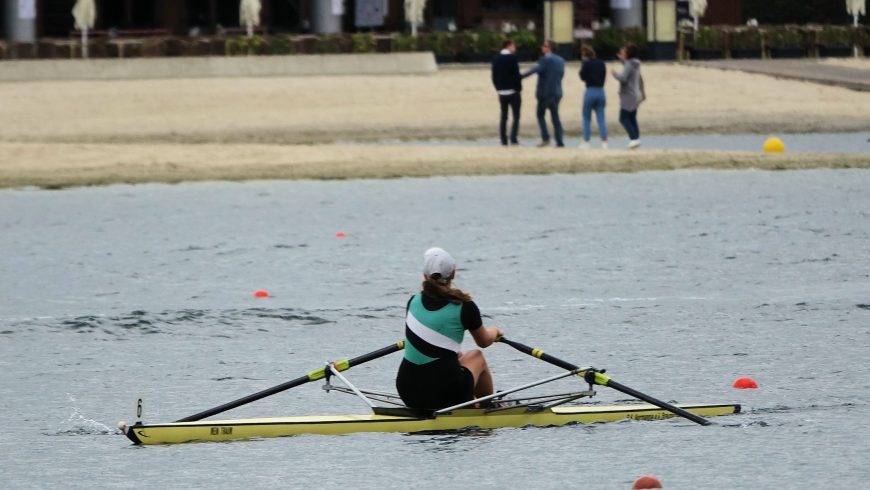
(808, 70)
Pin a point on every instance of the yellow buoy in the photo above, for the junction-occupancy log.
(774, 145)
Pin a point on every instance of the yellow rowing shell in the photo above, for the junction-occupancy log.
(227, 430)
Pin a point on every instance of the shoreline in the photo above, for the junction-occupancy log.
(74, 133)
(75, 165)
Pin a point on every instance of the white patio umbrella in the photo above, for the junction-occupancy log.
(697, 9)
(414, 13)
(249, 14)
(85, 14)
(856, 8)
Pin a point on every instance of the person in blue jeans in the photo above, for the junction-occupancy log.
(631, 93)
(550, 70)
(593, 72)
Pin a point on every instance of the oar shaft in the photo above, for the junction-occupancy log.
(653, 401)
(539, 354)
(312, 376)
(606, 381)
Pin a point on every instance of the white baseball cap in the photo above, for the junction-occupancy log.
(438, 261)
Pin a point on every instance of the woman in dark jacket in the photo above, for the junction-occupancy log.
(593, 72)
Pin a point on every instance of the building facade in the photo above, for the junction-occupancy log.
(210, 17)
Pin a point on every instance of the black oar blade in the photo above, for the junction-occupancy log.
(247, 399)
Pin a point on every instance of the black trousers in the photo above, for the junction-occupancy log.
(513, 101)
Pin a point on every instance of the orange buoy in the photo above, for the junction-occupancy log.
(340, 234)
(745, 383)
(261, 293)
(646, 481)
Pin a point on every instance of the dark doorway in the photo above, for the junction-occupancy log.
(56, 18)
(126, 14)
(227, 13)
(286, 15)
(2, 21)
(200, 16)
(528, 6)
(442, 13)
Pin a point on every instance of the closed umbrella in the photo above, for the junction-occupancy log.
(414, 13)
(249, 14)
(856, 8)
(85, 14)
(697, 9)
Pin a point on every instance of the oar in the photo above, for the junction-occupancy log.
(312, 376)
(603, 380)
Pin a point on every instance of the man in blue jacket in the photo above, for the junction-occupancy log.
(508, 85)
(550, 70)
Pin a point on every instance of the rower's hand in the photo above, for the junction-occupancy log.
(499, 333)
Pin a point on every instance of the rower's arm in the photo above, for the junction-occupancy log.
(485, 336)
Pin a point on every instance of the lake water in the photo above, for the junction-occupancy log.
(676, 282)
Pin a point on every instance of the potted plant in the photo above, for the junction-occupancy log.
(527, 43)
(363, 42)
(834, 41)
(707, 44)
(745, 43)
(607, 42)
(466, 45)
(281, 45)
(636, 36)
(785, 42)
(329, 44)
(487, 45)
(404, 43)
(443, 44)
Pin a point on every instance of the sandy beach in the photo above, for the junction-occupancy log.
(58, 134)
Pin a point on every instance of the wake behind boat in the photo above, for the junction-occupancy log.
(501, 410)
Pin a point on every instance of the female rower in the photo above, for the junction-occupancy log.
(434, 372)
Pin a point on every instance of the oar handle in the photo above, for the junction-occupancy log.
(312, 376)
(598, 377)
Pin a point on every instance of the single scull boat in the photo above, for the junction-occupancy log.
(490, 412)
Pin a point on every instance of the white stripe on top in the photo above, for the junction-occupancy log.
(431, 336)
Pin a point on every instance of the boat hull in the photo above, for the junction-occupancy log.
(227, 430)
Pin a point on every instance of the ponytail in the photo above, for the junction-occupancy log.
(437, 287)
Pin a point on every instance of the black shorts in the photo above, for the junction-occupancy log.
(438, 384)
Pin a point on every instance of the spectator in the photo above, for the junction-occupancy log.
(631, 93)
(593, 72)
(508, 84)
(550, 70)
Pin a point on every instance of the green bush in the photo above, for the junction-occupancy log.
(708, 38)
(489, 42)
(327, 45)
(466, 42)
(785, 38)
(281, 45)
(363, 42)
(442, 43)
(635, 35)
(607, 42)
(525, 40)
(404, 43)
(745, 39)
(244, 45)
(835, 37)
